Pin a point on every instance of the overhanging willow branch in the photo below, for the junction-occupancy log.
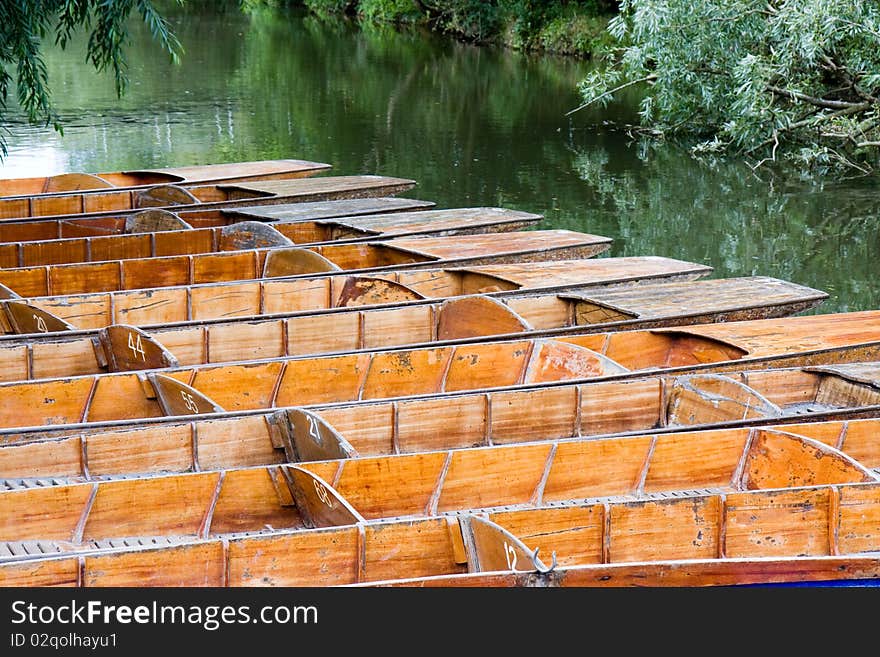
(819, 102)
(610, 92)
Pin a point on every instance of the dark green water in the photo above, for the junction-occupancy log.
(473, 126)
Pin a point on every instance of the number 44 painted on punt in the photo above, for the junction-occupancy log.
(136, 346)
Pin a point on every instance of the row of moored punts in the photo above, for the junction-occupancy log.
(262, 374)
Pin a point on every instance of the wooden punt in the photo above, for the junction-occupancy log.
(232, 531)
(81, 205)
(532, 315)
(343, 491)
(208, 301)
(183, 176)
(247, 234)
(496, 367)
(361, 257)
(616, 463)
(859, 570)
(837, 405)
(158, 219)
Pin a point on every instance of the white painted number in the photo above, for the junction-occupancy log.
(313, 429)
(136, 347)
(510, 553)
(41, 324)
(323, 495)
(189, 402)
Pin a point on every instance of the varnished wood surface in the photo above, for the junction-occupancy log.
(110, 202)
(821, 571)
(413, 322)
(812, 522)
(215, 239)
(211, 301)
(322, 212)
(526, 414)
(183, 175)
(374, 256)
(571, 412)
(365, 375)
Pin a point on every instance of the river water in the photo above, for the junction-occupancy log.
(473, 126)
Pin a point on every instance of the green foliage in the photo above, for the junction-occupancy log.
(322, 7)
(566, 26)
(784, 79)
(472, 20)
(389, 11)
(25, 25)
(574, 34)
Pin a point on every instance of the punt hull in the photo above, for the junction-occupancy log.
(393, 325)
(246, 234)
(43, 186)
(831, 524)
(503, 369)
(380, 256)
(211, 302)
(107, 203)
(31, 230)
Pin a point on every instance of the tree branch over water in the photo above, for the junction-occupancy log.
(24, 24)
(743, 71)
(611, 92)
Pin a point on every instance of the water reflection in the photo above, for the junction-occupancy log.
(473, 126)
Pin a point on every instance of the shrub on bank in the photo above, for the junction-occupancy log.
(571, 27)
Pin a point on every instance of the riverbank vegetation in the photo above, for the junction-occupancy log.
(768, 81)
(567, 27)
